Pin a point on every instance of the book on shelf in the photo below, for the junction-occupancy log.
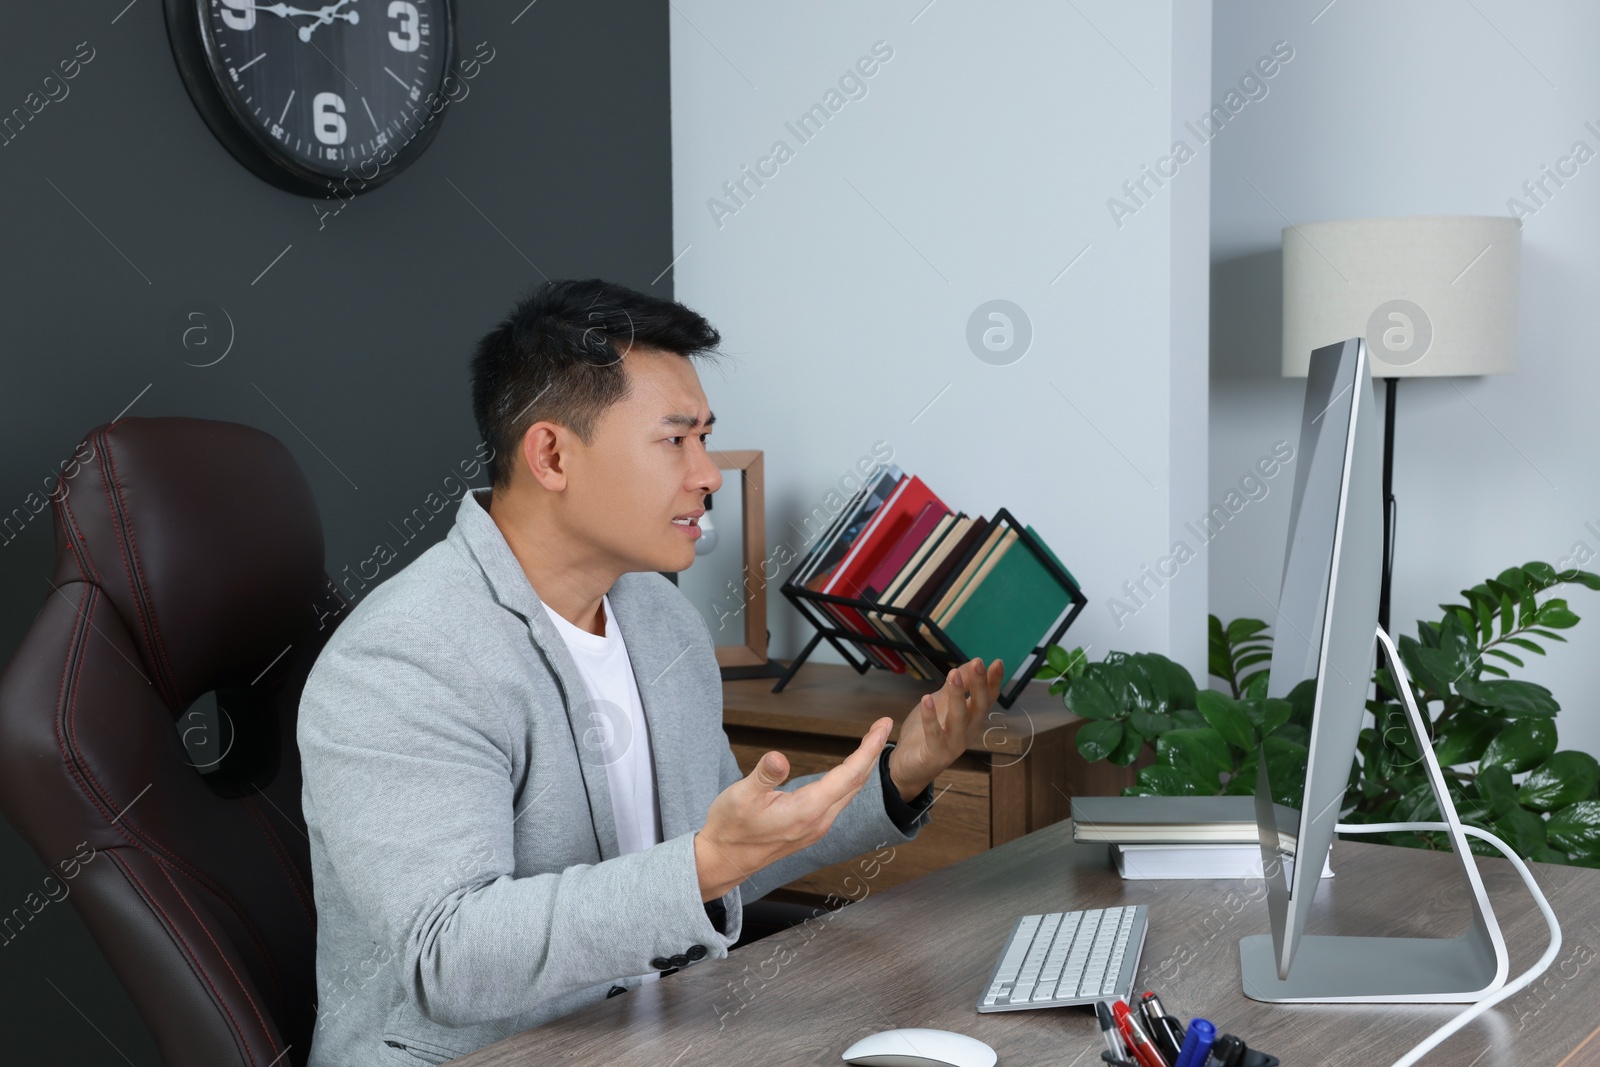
(1017, 603)
(897, 544)
(963, 573)
(936, 572)
(856, 519)
(919, 542)
(818, 557)
(875, 541)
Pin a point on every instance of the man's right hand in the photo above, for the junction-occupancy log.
(752, 823)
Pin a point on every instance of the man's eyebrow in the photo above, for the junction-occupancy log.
(688, 422)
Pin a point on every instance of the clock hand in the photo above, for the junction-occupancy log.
(284, 10)
(325, 16)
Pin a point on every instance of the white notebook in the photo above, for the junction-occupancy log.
(1139, 861)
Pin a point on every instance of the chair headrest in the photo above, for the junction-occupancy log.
(205, 536)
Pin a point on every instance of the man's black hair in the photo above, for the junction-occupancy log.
(559, 357)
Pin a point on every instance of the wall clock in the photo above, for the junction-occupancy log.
(308, 98)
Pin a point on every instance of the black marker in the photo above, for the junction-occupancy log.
(1227, 1052)
(1165, 1030)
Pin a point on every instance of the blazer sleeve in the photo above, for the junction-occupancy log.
(409, 796)
(875, 817)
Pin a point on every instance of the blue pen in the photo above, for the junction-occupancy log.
(1197, 1043)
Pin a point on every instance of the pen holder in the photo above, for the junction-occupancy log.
(1252, 1058)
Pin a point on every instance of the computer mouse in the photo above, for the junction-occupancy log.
(916, 1047)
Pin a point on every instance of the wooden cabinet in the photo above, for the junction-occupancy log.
(1019, 778)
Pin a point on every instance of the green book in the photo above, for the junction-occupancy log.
(1011, 611)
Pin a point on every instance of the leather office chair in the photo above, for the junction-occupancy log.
(149, 715)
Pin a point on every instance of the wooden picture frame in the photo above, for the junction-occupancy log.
(749, 659)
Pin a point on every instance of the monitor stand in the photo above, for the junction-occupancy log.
(1341, 969)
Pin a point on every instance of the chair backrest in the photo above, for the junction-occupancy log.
(147, 729)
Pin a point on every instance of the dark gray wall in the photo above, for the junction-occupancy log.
(122, 212)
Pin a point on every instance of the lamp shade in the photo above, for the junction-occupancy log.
(1432, 295)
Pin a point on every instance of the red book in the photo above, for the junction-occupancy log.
(895, 559)
(921, 526)
(880, 537)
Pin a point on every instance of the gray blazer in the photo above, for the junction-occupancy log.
(464, 854)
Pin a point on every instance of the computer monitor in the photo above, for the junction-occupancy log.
(1324, 632)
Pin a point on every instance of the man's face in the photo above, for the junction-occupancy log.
(648, 464)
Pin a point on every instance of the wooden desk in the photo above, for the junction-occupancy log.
(920, 953)
(1018, 779)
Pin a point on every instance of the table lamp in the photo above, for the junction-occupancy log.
(1434, 296)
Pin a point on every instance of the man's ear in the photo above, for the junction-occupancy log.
(543, 454)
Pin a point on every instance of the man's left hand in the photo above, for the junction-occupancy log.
(943, 725)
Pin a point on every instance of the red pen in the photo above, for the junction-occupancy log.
(1134, 1036)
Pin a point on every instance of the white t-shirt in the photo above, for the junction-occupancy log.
(617, 735)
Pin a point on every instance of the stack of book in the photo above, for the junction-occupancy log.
(961, 586)
(1184, 837)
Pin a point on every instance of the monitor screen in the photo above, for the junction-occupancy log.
(1323, 632)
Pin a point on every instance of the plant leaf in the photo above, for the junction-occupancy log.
(1554, 614)
(1188, 717)
(1286, 770)
(1098, 739)
(1243, 783)
(1169, 682)
(1126, 683)
(1503, 654)
(1540, 574)
(1510, 697)
(1228, 718)
(1163, 781)
(1202, 753)
(1548, 855)
(1527, 608)
(1126, 752)
(1088, 699)
(1522, 744)
(1485, 617)
(1444, 666)
(1514, 577)
(1060, 661)
(1419, 662)
(1467, 736)
(1302, 701)
(1583, 578)
(1575, 829)
(1267, 713)
(1564, 778)
(1418, 805)
(1494, 785)
(1522, 829)
(1240, 629)
(1150, 725)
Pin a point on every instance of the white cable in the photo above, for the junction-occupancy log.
(1517, 984)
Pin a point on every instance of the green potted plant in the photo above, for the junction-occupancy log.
(1486, 727)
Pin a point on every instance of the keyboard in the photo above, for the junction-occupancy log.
(1068, 957)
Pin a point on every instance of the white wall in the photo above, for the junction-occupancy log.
(976, 166)
(1423, 108)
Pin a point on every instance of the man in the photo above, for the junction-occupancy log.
(519, 795)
